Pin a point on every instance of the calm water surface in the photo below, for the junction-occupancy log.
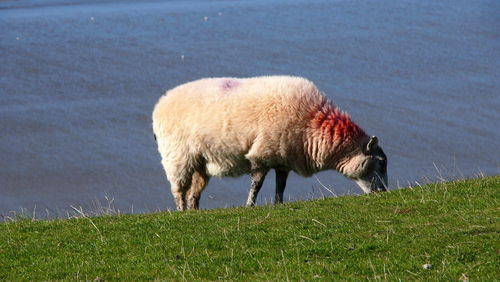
(79, 79)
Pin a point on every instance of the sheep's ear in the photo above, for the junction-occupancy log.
(372, 144)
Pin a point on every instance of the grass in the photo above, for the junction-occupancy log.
(453, 226)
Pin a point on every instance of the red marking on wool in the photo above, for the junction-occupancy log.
(335, 125)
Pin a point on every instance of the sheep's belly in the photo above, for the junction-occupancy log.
(231, 168)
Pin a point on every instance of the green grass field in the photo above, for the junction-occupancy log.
(453, 227)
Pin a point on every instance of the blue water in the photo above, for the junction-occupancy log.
(79, 79)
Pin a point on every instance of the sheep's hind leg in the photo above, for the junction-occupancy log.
(281, 176)
(179, 193)
(180, 181)
(258, 176)
(198, 183)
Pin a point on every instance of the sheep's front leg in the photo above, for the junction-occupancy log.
(281, 177)
(258, 176)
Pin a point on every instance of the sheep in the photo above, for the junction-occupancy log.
(234, 126)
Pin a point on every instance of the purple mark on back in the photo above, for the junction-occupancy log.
(228, 84)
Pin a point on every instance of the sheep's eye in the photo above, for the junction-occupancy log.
(368, 164)
(383, 165)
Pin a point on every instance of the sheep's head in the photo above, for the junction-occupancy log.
(368, 168)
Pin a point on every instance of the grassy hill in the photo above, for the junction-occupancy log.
(452, 228)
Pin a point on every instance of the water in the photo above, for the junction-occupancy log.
(79, 79)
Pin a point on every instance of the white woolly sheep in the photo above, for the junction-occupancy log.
(229, 127)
